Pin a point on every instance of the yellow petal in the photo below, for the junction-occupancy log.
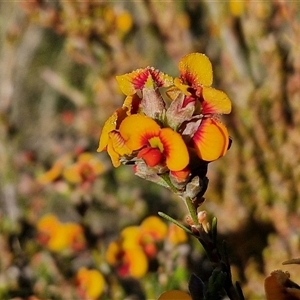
(154, 226)
(130, 237)
(136, 130)
(177, 156)
(52, 174)
(215, 102)
(59, 239)
(174, 92)
(91, 282)
(176, 235)
(174, 295)
(111, 124)
(72, 173)
(211, 140)
(124, 21)
(138, 263)
(195, 69)
(48, 223)
(131, 82)
(116, 148)
(114, 156)
(149, 77)
(112, 252)
(131, 103)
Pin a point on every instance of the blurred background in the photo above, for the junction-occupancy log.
(58, 64)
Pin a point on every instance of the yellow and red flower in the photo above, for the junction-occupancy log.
(84, 170)
(129, 259)
(130, 254)
(90, 283)
(58, 236)
(169, 137)
(211, 138)
(155, 145)
(148, 77)
(176, 235)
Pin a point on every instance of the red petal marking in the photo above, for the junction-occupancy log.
(151, 156)
(140, 80)
(160, 78)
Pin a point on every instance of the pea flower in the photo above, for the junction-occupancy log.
(58, 236)
(79, 169)
(169, 128)
(84, 170)
(128, 261)
(129, 254)
(209, 136)
(90, 283)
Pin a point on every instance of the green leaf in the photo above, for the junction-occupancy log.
(170, 219)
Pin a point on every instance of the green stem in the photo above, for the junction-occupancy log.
(166, 178)
(192, 210)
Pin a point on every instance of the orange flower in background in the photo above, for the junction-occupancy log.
(47, 226)
(55, 172)
(153, 230)
(176, 235)
(129, 259)
(74, 168)
(86, 169)
(58, 236)
(130, 254)
(90, 283)
(157, 145)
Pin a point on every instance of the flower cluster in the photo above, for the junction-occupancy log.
(130, 254)
(81, 170)
(169, 128)
(58, 236)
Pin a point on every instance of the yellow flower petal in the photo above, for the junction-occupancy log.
(136, 129)
(132, 104)
(114, 156)
(130, 237)
(72, 173)
(195, 69)
(177, 156)
(149, 77)
(55, 172)
(138, 263)
(124, 22)
(111, 124)
(91, 282)
(112, 252)
(211, 140)
(176, 235)
(116, 148)
(48, 223)
(131, 82)
(59, 239)
(155, 227)
(215, 102)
